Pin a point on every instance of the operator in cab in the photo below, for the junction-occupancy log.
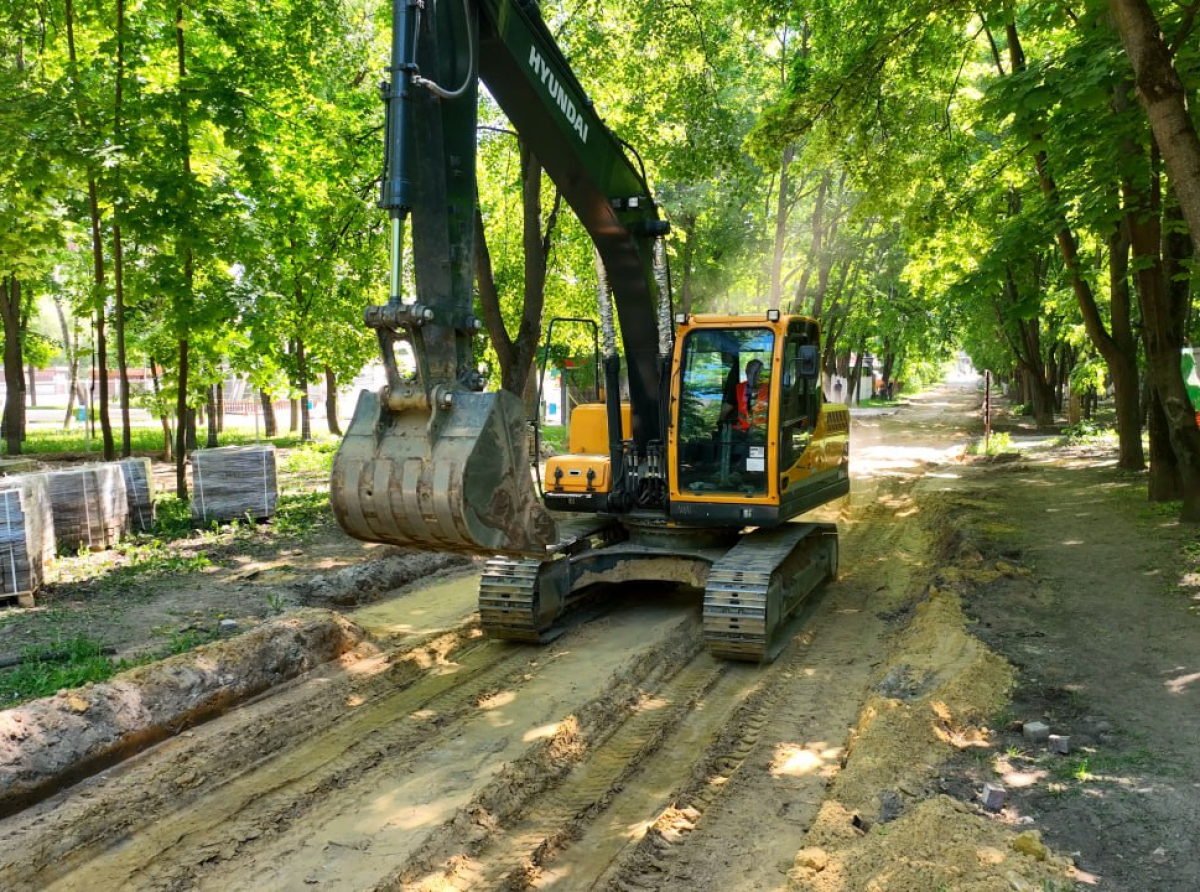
(749, 409)
(752, 399)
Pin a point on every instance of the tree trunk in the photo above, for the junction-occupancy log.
(212, 417)
(688, 224)
(781, 220)
(294, 415)
(14, 372)
(1164, 483)
(1119, 349)
(221, 407)
(162, 417)
(193, 443)
(181, 424)
(101, 336)
(814, 253)
(181, 318)
(72, 354)
(305, 413)
(331, 402)
(1122, 361)
(516, 354)
(270, 425)
(1164, 98)
(118, 248)
(1162, 327)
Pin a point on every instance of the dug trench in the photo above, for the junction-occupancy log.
(622, 756)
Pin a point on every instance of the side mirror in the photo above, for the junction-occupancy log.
(808, 363)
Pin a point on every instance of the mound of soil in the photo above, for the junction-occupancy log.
(48, 743)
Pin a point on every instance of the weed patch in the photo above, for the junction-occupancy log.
(51, 667)
(300, 514)
(999, 443)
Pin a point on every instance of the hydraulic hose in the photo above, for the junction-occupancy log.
(440, 91)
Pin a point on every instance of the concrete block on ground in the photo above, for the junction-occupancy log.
(1036, 732)
(26, 536)
(1060, 744)
(139, 492)
(994, 797)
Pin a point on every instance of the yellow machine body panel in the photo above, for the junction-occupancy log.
(589, 428)
(579, 474)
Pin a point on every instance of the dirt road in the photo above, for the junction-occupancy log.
(620, 757)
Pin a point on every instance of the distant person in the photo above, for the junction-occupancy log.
(837, 390)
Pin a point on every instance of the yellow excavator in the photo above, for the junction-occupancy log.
(695, 477)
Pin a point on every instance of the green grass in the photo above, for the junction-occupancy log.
(310, 458)
(40, 676)
(299, 514)
(998, 444)
(555, 437)
(41, 441)
(44, 441)
(71, 663)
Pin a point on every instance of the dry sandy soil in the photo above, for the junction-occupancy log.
(975, 595)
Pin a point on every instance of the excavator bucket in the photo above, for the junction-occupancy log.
(455, 477)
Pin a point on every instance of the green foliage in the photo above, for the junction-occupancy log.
(998, 444)
(1088, 432)
(172, 518)
(310, 458)
(51, 667)
(300, 514)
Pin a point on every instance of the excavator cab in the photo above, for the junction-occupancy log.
(751, 441)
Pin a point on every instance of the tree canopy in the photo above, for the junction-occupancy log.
(1011, 179)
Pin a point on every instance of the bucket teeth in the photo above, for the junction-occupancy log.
(453, 478)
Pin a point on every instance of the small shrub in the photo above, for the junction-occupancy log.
(299, 514)
(998, 444)
(1087, 432)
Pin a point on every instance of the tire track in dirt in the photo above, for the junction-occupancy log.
(544, 823)
(343, 806)
(48, 840)
(788, 739)
(516, 738)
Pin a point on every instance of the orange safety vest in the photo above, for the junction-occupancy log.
(757, 418)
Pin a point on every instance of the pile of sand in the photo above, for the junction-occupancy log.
(882, 826)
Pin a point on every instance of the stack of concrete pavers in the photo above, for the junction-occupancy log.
(26, 536)
(139, 492)
(91, 509)
(234, 482)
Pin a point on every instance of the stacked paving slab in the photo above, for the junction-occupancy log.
(234, 483)
(139, 493)
(91, 509)
(26, 536)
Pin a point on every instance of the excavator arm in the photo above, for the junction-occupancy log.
(432, 459)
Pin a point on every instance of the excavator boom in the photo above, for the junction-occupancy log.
(431, 459)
